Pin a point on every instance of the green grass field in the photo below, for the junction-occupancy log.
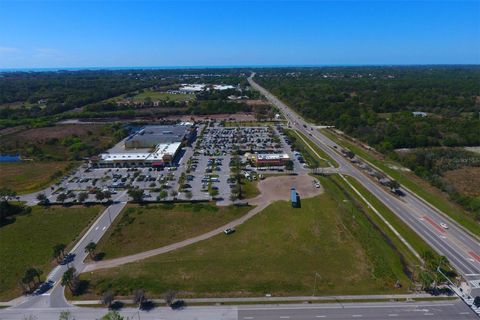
(141, 228)
(417, 185)
(28, 241)
(277, 252)
(163, 96)
(26, 177)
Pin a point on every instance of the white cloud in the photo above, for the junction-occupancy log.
(48, 53)
(8, 50)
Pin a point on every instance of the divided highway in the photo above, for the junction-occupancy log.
(461, 249)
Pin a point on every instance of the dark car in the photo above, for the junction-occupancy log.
(178, 305)
(68, 258)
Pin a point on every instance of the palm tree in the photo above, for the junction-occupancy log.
(90, 248)
(68, 277)
(59, 251)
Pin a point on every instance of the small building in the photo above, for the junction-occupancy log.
(294, 198)
(270, 159)
(419, 114)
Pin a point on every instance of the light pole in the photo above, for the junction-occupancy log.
(315, 283)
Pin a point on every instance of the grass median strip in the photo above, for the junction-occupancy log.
(308, 150)
(422, 188)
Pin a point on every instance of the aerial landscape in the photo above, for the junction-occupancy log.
(239, 160)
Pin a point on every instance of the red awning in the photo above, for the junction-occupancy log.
(157, 164)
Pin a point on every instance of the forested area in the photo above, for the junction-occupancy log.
(42, 98)
(375, 104)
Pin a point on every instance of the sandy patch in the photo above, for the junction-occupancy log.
(278, 188)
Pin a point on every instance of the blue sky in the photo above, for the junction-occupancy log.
(203, 33)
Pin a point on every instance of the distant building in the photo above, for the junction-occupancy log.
(151, 136)
(419, 114)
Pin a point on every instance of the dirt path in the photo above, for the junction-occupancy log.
(271, 189)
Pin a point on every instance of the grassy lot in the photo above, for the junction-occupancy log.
(141, 228)
(250, 189)
(162, 96)
(61, 142)
(278, 251)
(29, 240)
(306, 149)
(421, 187)
(26, 177)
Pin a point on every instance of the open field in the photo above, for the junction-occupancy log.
(465, 180)
(278, 251)
(419, 186)
(60, 142)
(30, 240)
(26, 177)
(141, 228)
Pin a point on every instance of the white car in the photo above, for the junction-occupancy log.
(444, 226)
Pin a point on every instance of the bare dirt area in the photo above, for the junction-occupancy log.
(56, 132)
(257, 102)
(465, 180)
(278, 188)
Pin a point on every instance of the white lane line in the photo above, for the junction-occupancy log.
(393, 315)
(464, 313)
(357, 315)
(104, 228)
(247, 317)
(428, 314)
(284, 317)
(96, 228)
(321, 316)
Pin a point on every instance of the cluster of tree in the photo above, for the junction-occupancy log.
(429, 275)
(9, 210)
(375, 104)
(432, 163)
(31, 279)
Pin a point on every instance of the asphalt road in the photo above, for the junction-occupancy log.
(55, 297)
(387, 310)
(462, 249)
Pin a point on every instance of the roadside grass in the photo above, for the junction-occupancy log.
(28, 241)
(418, 244)
(310, 158)
(27, 177)
(279, 252)
(420, 187)
(141, 228)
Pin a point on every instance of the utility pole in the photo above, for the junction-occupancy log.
(315, 283)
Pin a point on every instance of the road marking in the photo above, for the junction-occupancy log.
(428, 314)
(393, 315)
(322, 316)
(474, 255)
(357, 315)
(434, 224)
(247, 317)
(284, 317)
(104, 228)
(464, 313)
(97, 228)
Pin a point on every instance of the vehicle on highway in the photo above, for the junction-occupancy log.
(444, 225)
(229, 231)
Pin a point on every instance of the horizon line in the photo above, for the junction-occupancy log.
(255, 66)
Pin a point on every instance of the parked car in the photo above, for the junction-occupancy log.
(229, 231)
